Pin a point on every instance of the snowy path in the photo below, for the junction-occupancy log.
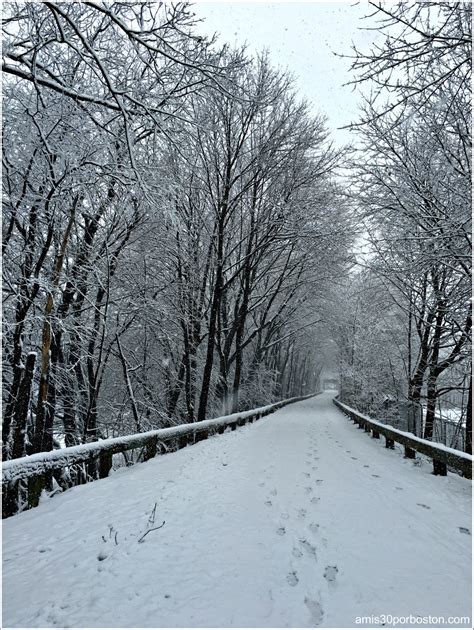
(298, 520)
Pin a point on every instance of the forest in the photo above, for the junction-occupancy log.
(182, 239)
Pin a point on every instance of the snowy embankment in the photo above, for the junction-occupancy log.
(298, 520)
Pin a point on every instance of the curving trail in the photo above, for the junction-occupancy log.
(298, 520)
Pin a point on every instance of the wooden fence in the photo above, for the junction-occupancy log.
(443, 457)
(24, 479)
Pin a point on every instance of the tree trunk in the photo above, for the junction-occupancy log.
(468, 448)
(213, 315)
(22, 407)
(128, 383)
(43, 437)
(430, 408)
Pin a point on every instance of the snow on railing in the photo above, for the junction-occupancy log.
(442, 455)
(24, 479)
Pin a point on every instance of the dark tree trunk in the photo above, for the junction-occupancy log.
(430, 408)
(175, 392)
(213, 315)
(239, 337)
(22, 408)
(207, 372)
(469, 419)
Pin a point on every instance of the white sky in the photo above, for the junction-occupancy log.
(303, 37)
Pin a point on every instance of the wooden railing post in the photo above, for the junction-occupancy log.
(150, 449)
(389, 443)
(105, 464)
(439, 468)
(409, 453)
(36, 486)
(92, 469)
(375, 434)
(9, 499)
(201, 435)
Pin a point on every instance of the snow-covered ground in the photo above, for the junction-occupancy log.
(298, 520)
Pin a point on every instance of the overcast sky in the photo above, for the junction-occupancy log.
(303, 37)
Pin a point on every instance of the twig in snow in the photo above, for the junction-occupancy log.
(150, 530)
(151, 518)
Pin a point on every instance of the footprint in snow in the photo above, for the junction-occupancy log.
(315, 500)
(285, 516)
(308, 490)
(261, 484)
(306, 474)
(398, 488)
(315, 610)
(366, 466)
(302, 513)
(376, 476)
(427, 507)
(319, 481)
(314, 527)
(465, 530)
(281, 531)
(292, 578)
(354, 458)
(330, 573)
(308, 547)
(273, 492)
(268, 503)
(297, 553)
